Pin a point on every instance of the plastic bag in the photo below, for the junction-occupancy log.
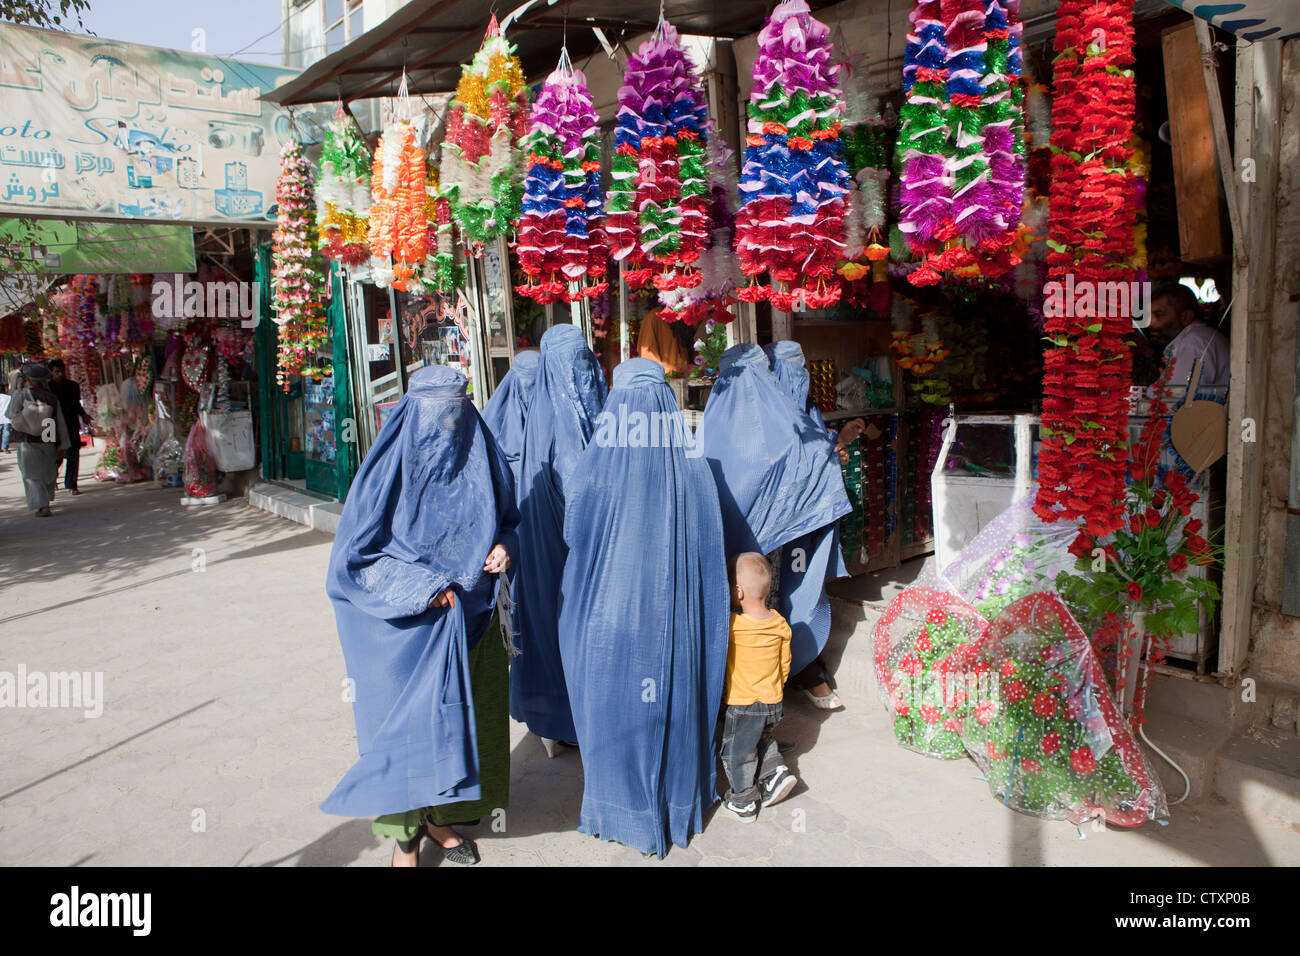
(923, 649)
(169, 462)
(1044, 727)
(200, 466)
(1015, 554)
(110, 460)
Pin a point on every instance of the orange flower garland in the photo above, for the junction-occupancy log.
(399, 226)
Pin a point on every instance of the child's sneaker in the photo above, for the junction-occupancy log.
(778, 786)
(746, 813)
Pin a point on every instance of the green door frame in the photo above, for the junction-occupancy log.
(335, 479)
(278, 460)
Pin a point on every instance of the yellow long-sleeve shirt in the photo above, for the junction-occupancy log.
(758, 660)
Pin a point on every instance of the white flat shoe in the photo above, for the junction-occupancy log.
(829, 702)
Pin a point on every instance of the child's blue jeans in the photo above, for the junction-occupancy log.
(748, 746)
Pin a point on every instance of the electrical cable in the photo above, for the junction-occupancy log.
(1187, 783)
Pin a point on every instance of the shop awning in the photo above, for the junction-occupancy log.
(430, 39)
(1249, 19)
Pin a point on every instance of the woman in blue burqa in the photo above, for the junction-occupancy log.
(802, 586)
(782, 494)
(643, 631)
(507, 409)
(568, 396)
(428, 527)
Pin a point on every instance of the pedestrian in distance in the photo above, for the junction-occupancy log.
(38, 428)
(68, 392)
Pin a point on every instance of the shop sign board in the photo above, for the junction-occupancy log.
(108, 130)
(53, 247)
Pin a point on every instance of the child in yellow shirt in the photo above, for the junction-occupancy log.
(758, 663)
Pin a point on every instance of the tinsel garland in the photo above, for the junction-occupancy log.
(297, 276)
(561, 232)
(961, 151)
(482, 163)
(343, 193)
(399, 226)
(1093, 216)
(720, 274)
(442, 274)
(925, 196)
(794, 182)
(867, 141)
(657, 209)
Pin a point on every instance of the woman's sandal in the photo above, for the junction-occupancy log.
(465, 852)
(830, 702)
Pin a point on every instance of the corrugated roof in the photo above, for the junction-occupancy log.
(431, 39)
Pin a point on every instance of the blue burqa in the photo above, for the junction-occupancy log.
(643, 630)
(508, 408)
(786, 360)
(780, 486)
(568, 396)
(430, 500)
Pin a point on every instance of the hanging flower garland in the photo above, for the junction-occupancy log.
(1003, 114)
(962, 147)
(561, 232)
(442, 273)
(925, 197)
(1094, 214)
(719, 273)
(794, 183)
(343, 193)
(297, 279)
(481, 159)
(399, 227)
(867, 145)
(657, 210)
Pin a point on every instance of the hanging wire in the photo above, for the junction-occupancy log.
(658, 35)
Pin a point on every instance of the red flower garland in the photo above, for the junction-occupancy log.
(1086, 374)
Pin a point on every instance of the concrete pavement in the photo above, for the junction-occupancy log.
(224, 725)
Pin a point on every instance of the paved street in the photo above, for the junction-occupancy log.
(224, 725)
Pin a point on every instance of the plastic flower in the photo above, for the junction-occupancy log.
(1134, 591)
(1082, 760)
(1044, 705)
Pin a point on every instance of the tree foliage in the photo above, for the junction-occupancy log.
(48, 14)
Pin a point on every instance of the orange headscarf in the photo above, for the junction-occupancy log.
(657, 342)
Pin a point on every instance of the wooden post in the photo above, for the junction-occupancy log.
(1197, 134)
(1253, 189)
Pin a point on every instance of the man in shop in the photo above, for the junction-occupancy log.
(1174, 324)
(68, 392)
